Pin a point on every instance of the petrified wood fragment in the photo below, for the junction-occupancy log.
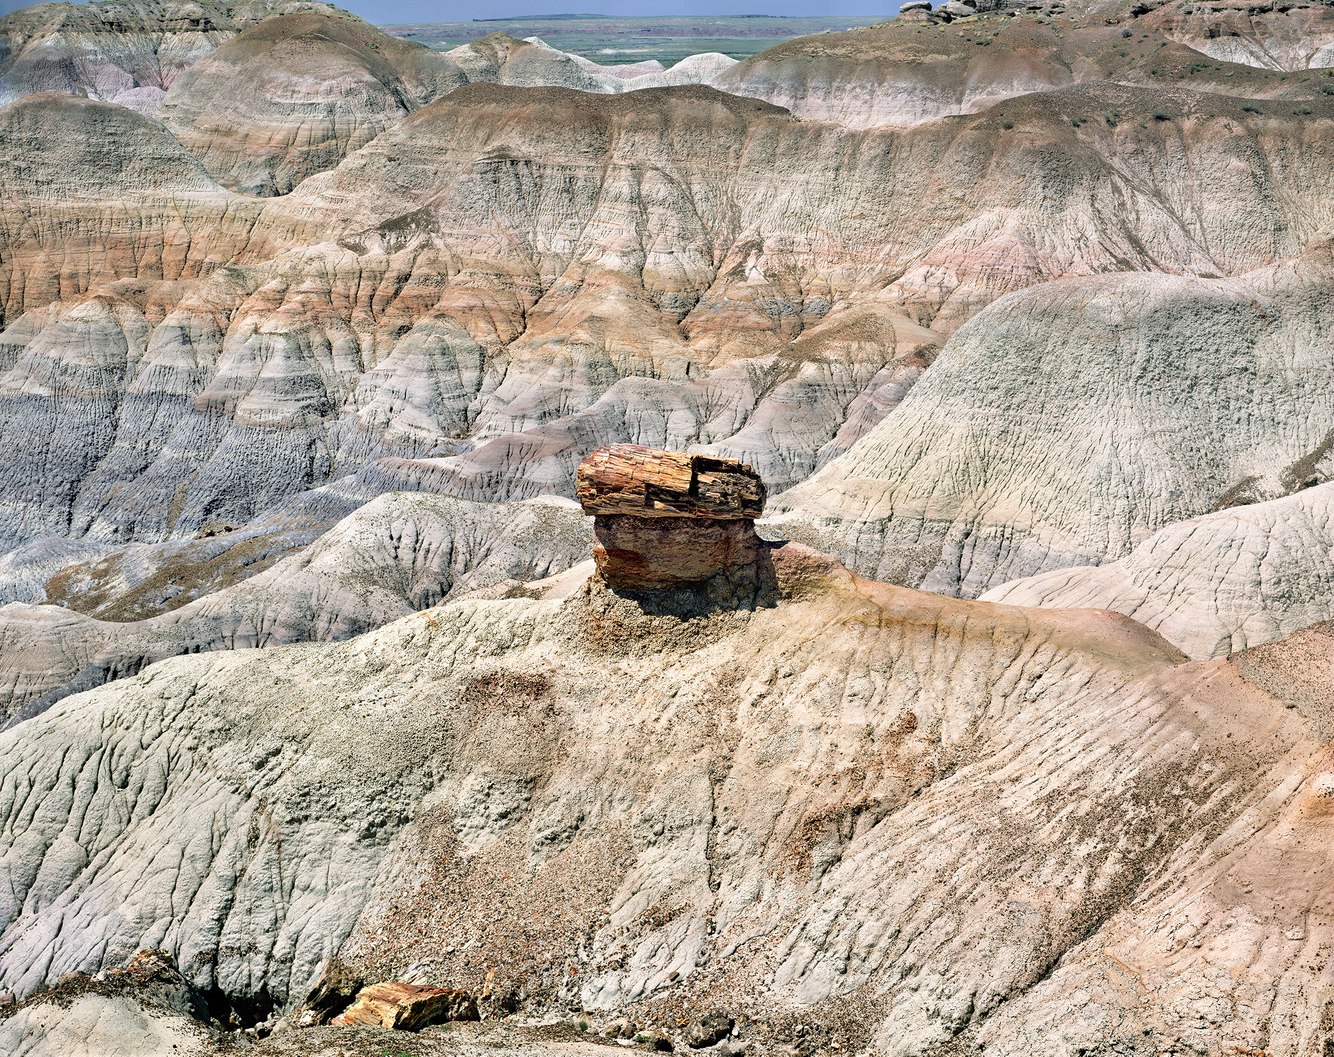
(642, 482)
(666, 519)
(407, 1007)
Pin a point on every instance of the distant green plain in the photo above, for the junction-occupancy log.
(612, 41)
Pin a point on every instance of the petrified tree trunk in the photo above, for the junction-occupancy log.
(666, 519)
(407, 1007)
(648, 554)
(646, 482)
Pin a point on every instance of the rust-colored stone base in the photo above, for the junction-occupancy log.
(652, 554)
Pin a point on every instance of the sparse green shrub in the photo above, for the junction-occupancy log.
(1328, 89)
(1127, 34)
(1302, 111)
(1007, 124)
(1161, 115)
(1251, 108)
(1111, 117)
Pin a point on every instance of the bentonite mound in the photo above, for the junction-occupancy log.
(296, 94)
(1015, 457)
(1215, 584)
(123, 51)
(398, 554)
(909, 71)
(853, 808)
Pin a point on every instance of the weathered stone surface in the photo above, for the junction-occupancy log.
(1281, 37)
(643, 482)
(371, 325)
(864, 798)
(501, 59)
(143, 1008)
(97, 1025)
(407, 1007)
(665, 519)
(649, 554)
(336, 987)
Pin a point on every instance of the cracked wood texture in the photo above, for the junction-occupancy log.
(638, 481)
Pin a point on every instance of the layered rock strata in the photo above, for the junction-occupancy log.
(296, 94)
(666, 519)
(910, 70)
(1212, 585)
(1016, 456)
(124, 51)
(464, 304)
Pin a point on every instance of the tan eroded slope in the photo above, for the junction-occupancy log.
(891, 814)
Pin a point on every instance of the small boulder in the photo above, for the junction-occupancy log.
(915, 5)
(334, 990)
(708, 1031)
(407, 1007)
(654, 1040)
(955, 9)
(152, 977)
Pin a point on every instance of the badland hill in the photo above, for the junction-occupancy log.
(1003, 727)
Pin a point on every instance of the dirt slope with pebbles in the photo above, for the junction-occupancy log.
(852, 806)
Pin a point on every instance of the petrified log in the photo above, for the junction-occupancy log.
(648, 554)
(637, 481)
(407, 1007)
(665, 519)
(334, 990)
